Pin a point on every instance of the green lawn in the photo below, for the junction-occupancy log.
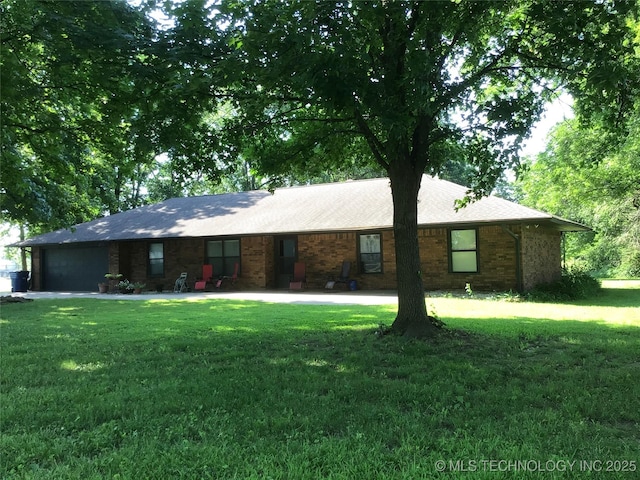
(222, 389)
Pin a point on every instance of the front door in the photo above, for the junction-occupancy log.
(286, 255)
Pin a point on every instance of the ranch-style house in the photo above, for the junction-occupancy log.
(493, 244)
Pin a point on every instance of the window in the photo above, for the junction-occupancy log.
(464, 251)
(156, 260)
(371, 253)
(223, 255)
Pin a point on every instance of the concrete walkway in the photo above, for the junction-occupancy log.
(328, 297)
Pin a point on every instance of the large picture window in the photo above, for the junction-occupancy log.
(223, 255)
(371, 253)
(156, 259)
(464, 251)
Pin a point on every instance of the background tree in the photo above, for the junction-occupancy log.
(402, 85)
(586, 176)
(90, 97)
(74, 144)
(290, 90)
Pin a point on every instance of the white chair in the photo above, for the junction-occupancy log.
(181, 283)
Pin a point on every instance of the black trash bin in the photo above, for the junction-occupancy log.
(19, 281)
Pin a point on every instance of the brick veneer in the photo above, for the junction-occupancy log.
(324, 253)
(541, 256)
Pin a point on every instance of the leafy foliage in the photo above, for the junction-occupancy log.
(410, 86)
(585, 175)
(69, 102)
(575, 284)
(294, 89)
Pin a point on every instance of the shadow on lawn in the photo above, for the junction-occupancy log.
(151, 387)
(341, 371)
(254, 377)
(614, 297)
(342, 336)
(347, 333)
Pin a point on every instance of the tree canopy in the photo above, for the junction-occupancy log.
(305, 88)
(69, 102)
(584, 176)
(409, 85)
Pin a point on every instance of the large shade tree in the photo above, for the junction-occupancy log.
(297, 88)
(405, 86)
(87, 105)
(71, 85)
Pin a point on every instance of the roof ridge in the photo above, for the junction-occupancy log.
(354, 205)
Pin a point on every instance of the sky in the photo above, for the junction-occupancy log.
(561, 109)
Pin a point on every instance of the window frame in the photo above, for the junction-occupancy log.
(361, 262)
(453, 251)
(150, 270)
(226, 261)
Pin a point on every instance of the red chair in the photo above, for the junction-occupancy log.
(231, 279)
(299, 279)
(207, 276)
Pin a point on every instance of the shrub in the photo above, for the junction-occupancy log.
(631, 265)
(575, 284)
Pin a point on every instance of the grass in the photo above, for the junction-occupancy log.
(222, 389)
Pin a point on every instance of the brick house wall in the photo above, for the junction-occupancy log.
(180, 255)
(188, 255)
(323, 254)
(257, 260)
(541, 256)
(434, 258)
(496, 261)
(114, 257)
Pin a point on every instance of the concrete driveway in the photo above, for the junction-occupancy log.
(329, 297)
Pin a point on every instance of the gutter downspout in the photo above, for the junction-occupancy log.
(518, 257)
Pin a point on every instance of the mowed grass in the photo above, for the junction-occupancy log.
(227, 389)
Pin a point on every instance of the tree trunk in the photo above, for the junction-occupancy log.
(412, 319)
(23, 250)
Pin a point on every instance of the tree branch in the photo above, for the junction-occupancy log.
(377, 148)
(28, 128)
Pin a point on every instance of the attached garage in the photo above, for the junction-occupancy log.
(74, 268)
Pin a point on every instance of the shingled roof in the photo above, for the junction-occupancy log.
(346, 206)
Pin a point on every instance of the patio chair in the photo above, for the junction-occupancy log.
(207, 276)
(232, 279)
(299, 279)
(343, 277)
(181, 283)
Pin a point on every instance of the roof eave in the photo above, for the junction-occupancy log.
(568, 225)
(554, 222)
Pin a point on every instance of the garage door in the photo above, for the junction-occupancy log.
(76, 269)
